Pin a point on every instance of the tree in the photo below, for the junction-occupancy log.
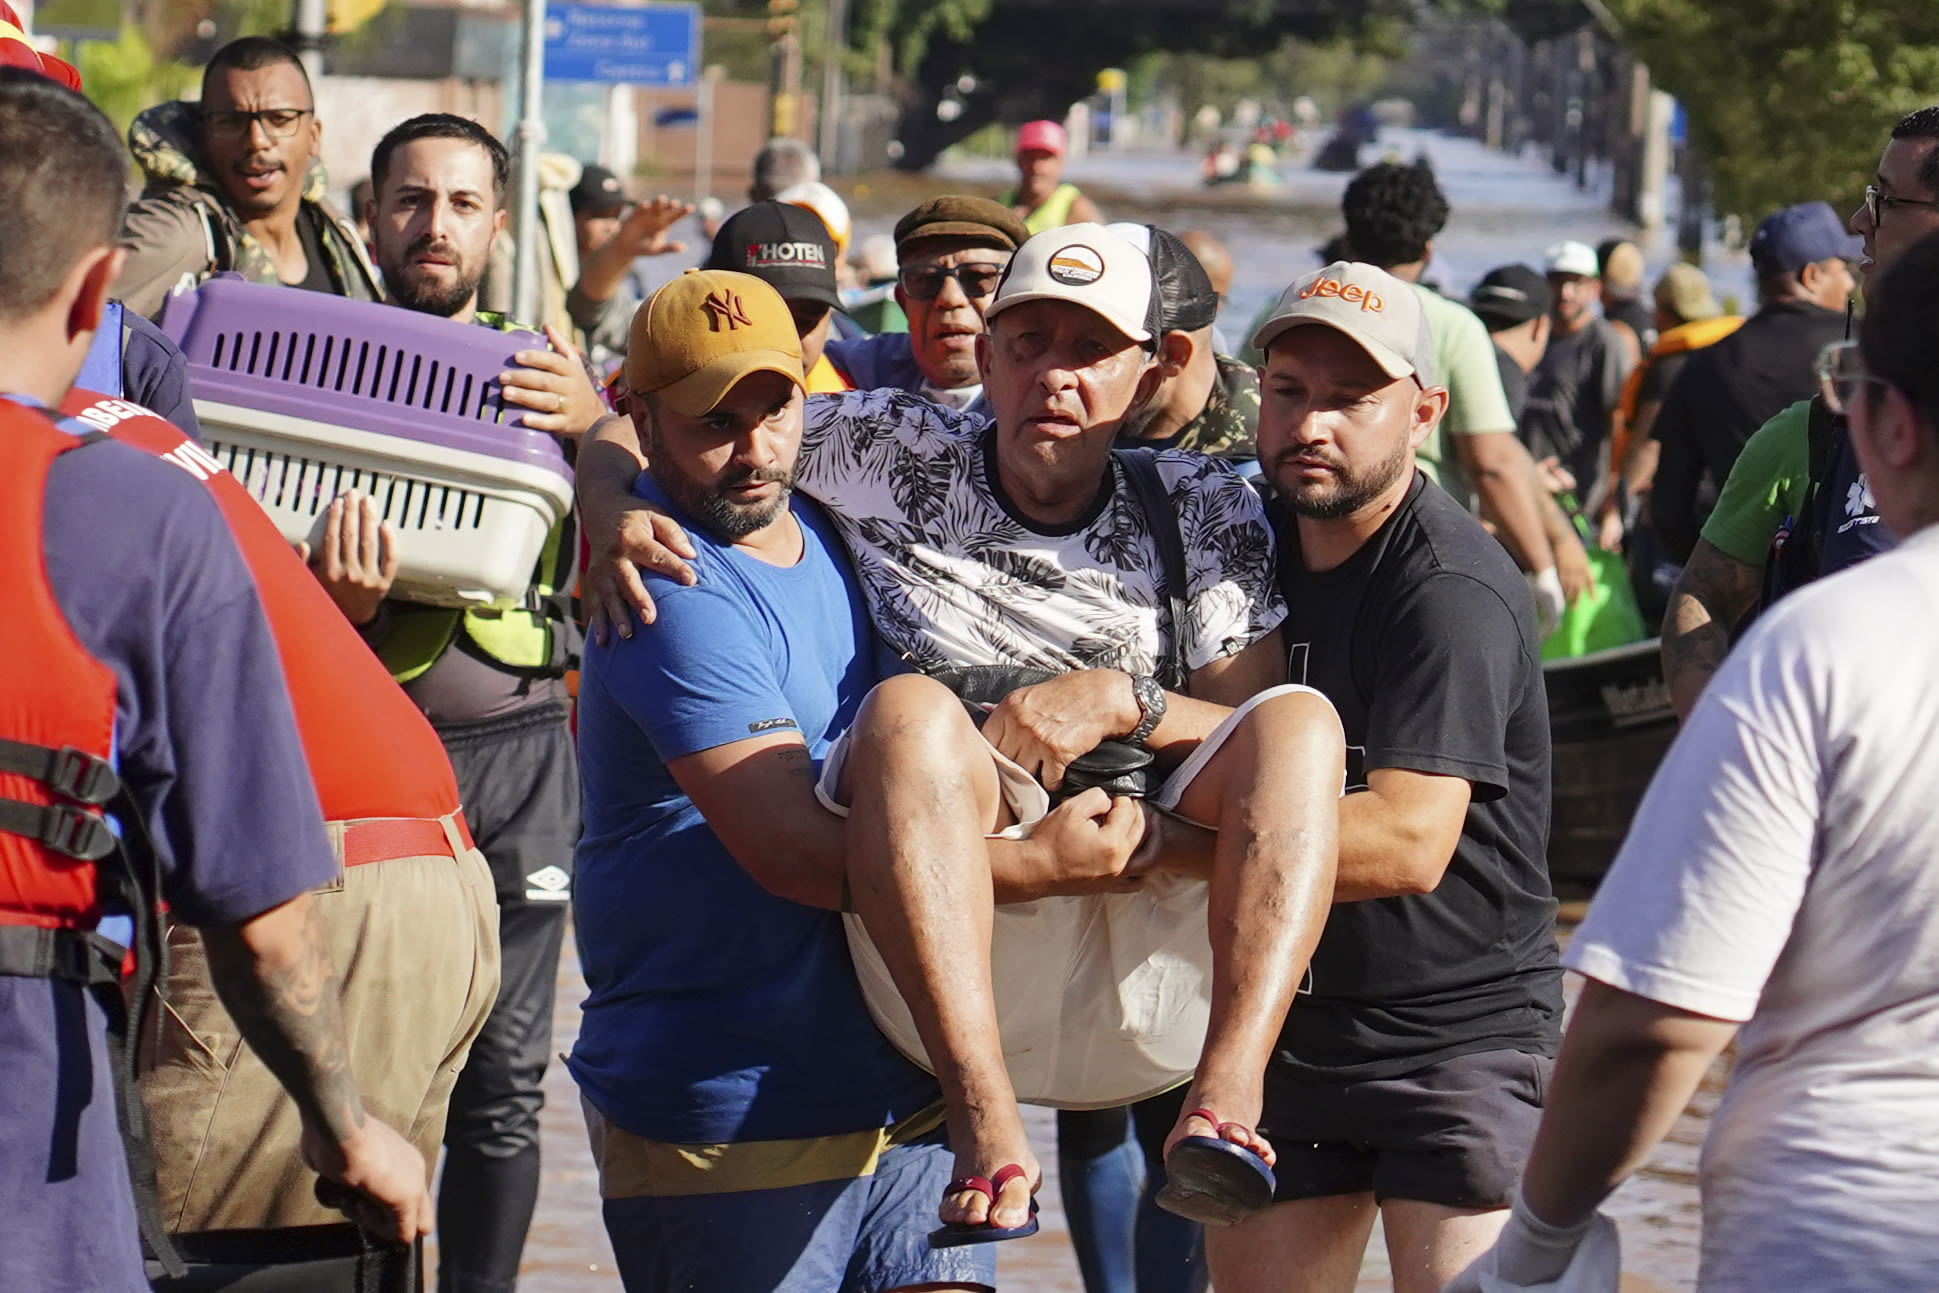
(1788, 100)
(1012, 60)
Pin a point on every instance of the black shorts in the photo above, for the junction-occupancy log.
(1455, 1133)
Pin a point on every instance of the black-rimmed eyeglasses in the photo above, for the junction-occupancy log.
(278, 123)
(924, 283)
(1877, 204)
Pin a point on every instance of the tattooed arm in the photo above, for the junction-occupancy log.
(277, 978)
(1714, 591)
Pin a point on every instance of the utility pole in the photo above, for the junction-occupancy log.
(784, 70)
(309, 29)
(703, 147)
(527, 299)
(833, 86)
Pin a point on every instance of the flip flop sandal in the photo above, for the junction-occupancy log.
(957, 1233)
(1213, 1181)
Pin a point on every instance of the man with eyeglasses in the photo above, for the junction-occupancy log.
(1796, 504)
(234, 184)
(1777, 892)
(950, 253)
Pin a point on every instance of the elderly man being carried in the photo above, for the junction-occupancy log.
(1139, 588)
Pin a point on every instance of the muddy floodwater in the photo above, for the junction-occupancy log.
(1505, 210)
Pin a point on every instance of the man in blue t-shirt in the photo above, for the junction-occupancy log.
(141, 570)
(754, 1129)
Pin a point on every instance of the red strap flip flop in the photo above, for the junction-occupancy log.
(1213, 1181)
(956, 1233)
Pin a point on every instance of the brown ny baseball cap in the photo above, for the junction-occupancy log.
(695, 338)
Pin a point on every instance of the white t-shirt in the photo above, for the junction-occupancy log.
(955, 575)
(1784, 870)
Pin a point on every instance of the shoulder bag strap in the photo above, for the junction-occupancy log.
(1148, 488)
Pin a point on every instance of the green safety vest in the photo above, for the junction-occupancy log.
(1053, 214)
(533, 636)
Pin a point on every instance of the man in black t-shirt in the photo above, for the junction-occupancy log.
(1410, 1071)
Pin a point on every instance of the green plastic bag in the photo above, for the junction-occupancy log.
(1605, 616)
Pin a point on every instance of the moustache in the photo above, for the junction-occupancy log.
(756, 476)
(1304, 458)
(433, 245)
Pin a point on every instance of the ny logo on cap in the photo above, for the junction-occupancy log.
(725, 311)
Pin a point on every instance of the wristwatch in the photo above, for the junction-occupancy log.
(1151, 708)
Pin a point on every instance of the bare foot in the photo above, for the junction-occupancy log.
(987, 1144)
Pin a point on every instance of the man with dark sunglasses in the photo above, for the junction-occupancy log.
(234, 184)
(1798, 478)
(950, 254)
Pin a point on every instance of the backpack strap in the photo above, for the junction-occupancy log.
(1148, 488)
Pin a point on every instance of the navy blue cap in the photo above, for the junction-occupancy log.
(1805, 234)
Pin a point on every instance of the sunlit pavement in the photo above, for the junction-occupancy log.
(568, 1252)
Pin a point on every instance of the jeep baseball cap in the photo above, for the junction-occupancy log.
(1371, 306)
(1087, 265)
(786, 246)
(700, 334)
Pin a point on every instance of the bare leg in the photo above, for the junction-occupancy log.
(1273, 791)
(1313, 1246)
(1428, 1244)
(922, 792)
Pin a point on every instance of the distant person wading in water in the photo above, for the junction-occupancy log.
(1041, 197)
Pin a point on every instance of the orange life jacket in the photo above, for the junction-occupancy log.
(1678, 340)
(57, 708)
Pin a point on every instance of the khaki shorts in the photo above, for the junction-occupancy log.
(1102, 999)
(416, 942)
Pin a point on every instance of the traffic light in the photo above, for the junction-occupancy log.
(781, 17)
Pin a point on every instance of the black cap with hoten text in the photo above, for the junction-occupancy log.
(786, 246)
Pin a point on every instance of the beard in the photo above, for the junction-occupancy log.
(1347, 490)
(415, 289)
(709, 504)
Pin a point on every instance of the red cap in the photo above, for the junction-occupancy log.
(1041, 137)
(17, 51)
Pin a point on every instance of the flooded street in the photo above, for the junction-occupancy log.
(568, 1252)
(1505, 209)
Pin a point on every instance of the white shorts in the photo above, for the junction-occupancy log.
(1101, 999)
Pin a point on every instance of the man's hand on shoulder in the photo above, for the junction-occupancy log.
(357, 560)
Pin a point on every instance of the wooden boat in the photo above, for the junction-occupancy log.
(1611, 722)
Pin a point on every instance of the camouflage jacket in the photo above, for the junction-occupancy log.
(182, 230)
(1228, 425)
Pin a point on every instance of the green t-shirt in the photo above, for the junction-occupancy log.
(1766, 485)
(1464, 362)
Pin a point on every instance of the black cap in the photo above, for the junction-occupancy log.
(1511, 294)
(1187, 299)
(598, 189)
(786, 246)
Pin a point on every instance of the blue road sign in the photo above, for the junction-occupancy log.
(651, 44)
